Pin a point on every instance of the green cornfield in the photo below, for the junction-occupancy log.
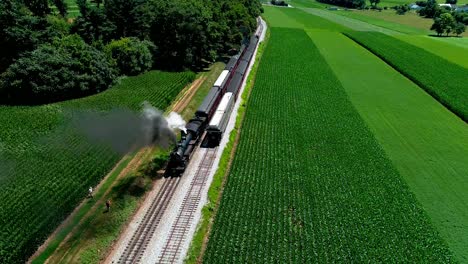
(445, 81)
(309, 182)
(46, 166)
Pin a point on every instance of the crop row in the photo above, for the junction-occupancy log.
(309, 182)
(445, 81)
(46, 166)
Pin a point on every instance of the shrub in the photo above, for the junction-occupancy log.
(131, 55)
(67, 68)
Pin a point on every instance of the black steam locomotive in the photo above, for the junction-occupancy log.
(229, 81)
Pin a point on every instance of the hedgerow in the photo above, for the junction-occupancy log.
(309, 182)
(445, 81)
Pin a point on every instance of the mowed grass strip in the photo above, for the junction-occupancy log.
(296, 18)
(445, 81)
(425, 141)
(309, 182)
(47, 166)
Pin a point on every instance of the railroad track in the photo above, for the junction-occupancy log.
(179, 231)
(139, 242)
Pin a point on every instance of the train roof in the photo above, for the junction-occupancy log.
(252, 43)
(235, 82)
(222, 78)
(208, 101)
(242, 66)
(223, 105)
(232, 62)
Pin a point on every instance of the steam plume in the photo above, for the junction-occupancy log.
(122, 129)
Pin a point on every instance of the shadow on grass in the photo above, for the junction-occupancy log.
(444, 36)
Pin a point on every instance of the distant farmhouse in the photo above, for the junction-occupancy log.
(464, 8)
(414, 6)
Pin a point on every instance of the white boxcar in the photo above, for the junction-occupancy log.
(222, 78)
(220, 119)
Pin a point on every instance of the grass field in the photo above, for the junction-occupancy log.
(46, 166)
(454, 53)
(296, 18)
(430, 156)
(410, 23)
(442, 79)
(309, 182)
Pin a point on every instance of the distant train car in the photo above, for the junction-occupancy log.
(210, 103)
(232, 63)
(217, 125)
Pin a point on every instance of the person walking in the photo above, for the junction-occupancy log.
(90, 192)
(108, 204)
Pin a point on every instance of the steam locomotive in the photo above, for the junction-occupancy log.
(213, 114)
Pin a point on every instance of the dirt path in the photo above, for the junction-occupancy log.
(188, 95)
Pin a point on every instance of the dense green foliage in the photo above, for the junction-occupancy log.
(67, 68)
(346, 3)
(131, 55)
(444, 80)
(19, 32)
(430, 9)
(184, 34)
(46, 165)
(309, 183)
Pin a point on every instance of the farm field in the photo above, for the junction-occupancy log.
(424, 68)
(409, 23)
(296, 18)
(430, 156)
(328, 20)
(43, 158)
(310, 175)
(453, 53)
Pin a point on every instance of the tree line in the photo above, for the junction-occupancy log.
(446, 20)
(47, 57)
(345, 3)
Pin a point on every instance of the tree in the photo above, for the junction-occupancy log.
(61, 7)
(38, 7)
(459, 28)
(443, 24)
(92, 25)
(65, 69)
(437, 26)
(461, 17)
(125, 17)
(131, 55)
(431, 9)
(401, 9)
(19, 31)
(346, 3)
(374, 2)
(97, 2)
(453, 2)
(448, 22)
